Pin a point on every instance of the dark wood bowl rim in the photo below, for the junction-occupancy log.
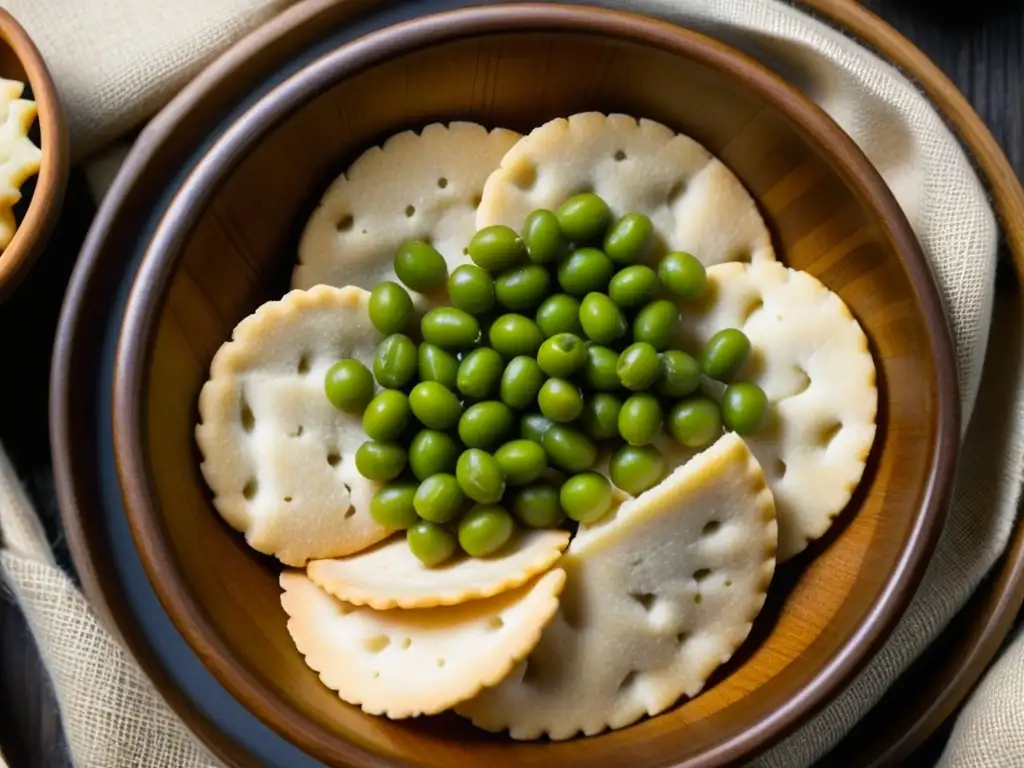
(148, 295)
(35, 228)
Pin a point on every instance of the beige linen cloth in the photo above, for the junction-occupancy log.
(115, 61)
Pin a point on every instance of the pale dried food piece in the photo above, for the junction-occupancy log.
(20, 159)
(657, 596)
(403, 663)
(696, 203)
(279, 458)
(422, 186)
(390, 575)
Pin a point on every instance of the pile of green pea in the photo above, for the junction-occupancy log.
(558, 339)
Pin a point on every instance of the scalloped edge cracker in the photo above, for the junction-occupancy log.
(404, 663)
(20, 159)
(278, 457)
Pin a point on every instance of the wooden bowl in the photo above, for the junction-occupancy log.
(37, 212)
(227, 243)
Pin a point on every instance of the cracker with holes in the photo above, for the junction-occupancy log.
(422, 186)
(277, 455)
(391, 576)
(657, 596)
(695, 202)
(811, 358)
(403, 663)
(20, 159)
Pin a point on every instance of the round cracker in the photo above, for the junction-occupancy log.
(811, 358)
(657, 596)
(279, 458)
(422, 186)
(695, 202)
(391, 576)
(405, 663)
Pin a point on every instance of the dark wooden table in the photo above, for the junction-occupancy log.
(978, 43)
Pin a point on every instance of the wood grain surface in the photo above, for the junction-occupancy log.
(980, 45)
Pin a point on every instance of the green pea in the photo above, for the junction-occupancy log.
(560, 400)
(439, 498)
(435, 364)
(636, 468)
(387, 415)
(657, 324)
(390, 308)
(600, 372)
(480, 476)
(584, 218)
(348, 386)
(392, 506)
(432, 453)
(724, 354)
(537, 506)
(586, 497)
(435, 405)
(485, 425)
(602, 321)
(683, 274)
(394, 361)
(496, 248)
(430, 543)
(471, 289)
(521, 461)
(420, 266)
(542, 237)
(569, 449)
(533, 426)
(629, 239)
(514, 335)
(633, 286)
(450, 328)
(562, 355)
(521, 382)
(679, 374)
(480, 373)
(523, 288)
(377, 460)
(586, 270)
(744, 408)
(559, 314)
(638, 366)
(640, 419)
(695, 422)
(484, 530)
(601, 415)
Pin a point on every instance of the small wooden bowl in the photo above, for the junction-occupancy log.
(20, 60)
(227, 243)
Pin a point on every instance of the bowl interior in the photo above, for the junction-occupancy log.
(239, 252)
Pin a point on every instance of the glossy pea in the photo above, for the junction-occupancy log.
(559, 314)
(480, 476)
(636, 468)
(638, 366)
(485, 529)
(520, 382)
(724, 354)
(521, 461)
(744, 408)
(678, 375)
(600, 371)
(629, 238)
(562, 355)
(586, 497)
(392, 506)
(348, 385)
(480, 373)
(486, 424)
(533, 426)
(683, 274)
(395, 361)
(657, 324)
(584, 218)
(430, 543)
(522, 288)
(542, 236)
(586, 270)
(378, 460)
(390, 308)
(450, 328)
(569, 448)
(601, 415)
(471, 289)
(435, 405)
(695, 422)
(560, 400)
(387, 415)
(640, 419)
(436, 364)
(439, 498)
(633, 286)
(513, 335)
(496, 248)
(602, 321)
(420, 266)
(538, 506)
(431, 453)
